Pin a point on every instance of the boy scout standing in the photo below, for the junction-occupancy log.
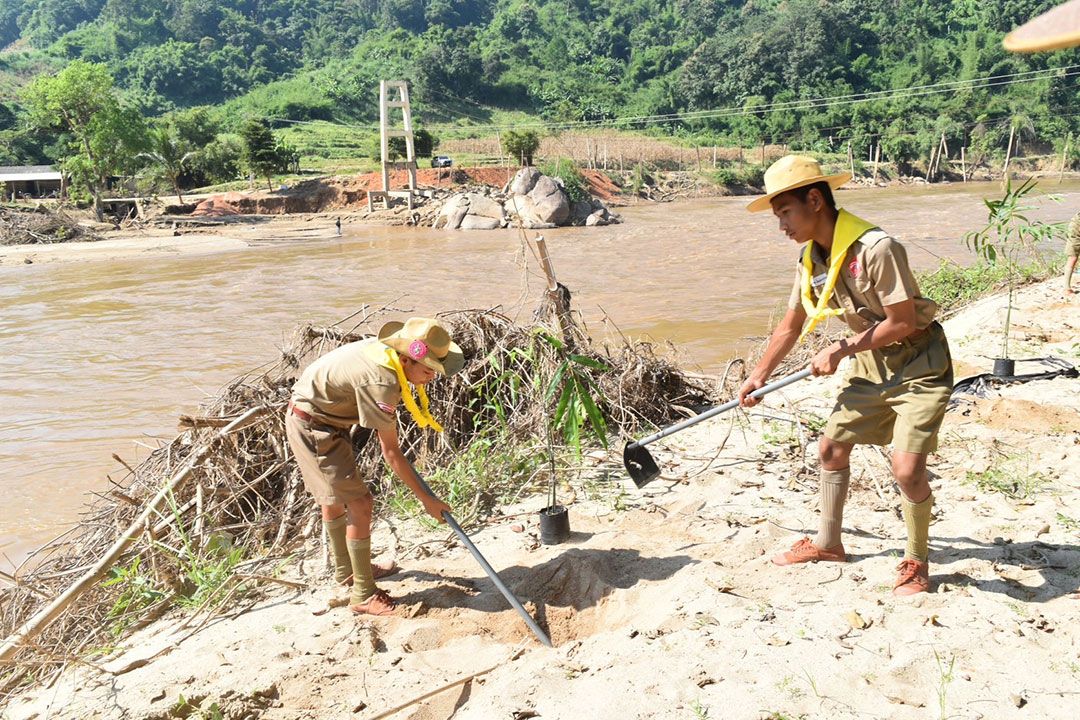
(361, 384)
(901, 377)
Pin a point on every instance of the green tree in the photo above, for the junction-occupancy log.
(217, 161)
(106, 135)
(170, 154)
(522, 145)
(260, 150)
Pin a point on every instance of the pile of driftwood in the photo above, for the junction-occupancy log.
(227, 481)
(39, 227)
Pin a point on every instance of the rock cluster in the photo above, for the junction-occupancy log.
(539, 201)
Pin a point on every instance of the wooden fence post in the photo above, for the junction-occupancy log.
(1008, 154)
(1064, 154)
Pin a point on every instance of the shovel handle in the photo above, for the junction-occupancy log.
(510, 597)
(713, 412)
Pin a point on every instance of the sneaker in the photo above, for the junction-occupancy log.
(378, 604)
(913, 576)
(806, 551)
(378, 571)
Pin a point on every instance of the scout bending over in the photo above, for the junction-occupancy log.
(361, 384)
(902, 373)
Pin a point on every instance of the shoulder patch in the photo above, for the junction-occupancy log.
(388, 409)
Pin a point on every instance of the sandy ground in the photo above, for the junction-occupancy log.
(664, 603)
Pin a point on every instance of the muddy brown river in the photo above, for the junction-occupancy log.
(101, 356)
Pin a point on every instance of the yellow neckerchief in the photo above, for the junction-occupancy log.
(420, 415)
(848, 229)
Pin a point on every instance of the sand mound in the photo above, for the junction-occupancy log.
(1026, 416)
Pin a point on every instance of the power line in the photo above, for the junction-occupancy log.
(817, 103)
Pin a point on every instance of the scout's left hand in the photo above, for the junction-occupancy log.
(826, 361)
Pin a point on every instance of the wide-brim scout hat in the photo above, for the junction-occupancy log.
(790, 172)
(425, 341)
(1054, 29)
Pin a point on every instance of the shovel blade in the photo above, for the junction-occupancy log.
(639, 464)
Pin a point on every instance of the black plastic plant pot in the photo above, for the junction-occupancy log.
(1004, 367)
(554, 525)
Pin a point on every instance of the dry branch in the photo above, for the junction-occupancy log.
(247, 489)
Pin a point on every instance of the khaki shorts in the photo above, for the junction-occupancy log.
(896, 394)
(1072, 245)
(326, 460)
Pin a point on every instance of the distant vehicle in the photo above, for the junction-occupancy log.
(441, 161)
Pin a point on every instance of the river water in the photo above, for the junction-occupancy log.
(98, 357)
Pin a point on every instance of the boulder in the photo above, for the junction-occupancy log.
(483, 206)
(580, 210)
(480, 222)
(452, 213)
(595, 219)
(525, 181)
(547, 203)
(470, 211)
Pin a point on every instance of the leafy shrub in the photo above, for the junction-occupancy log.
(572, 180)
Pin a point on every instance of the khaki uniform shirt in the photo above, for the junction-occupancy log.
(875, 274)
(348, 386)
(1072, 240)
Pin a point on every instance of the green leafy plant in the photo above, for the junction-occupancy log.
(490, 470)
(205, 570)
(945, 678)
(575, 409)
(1009, 237)
(1011, 477)
(521, 145)
(137, 592)
(572, 180)
(170, 155)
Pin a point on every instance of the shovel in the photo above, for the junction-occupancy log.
(640, 464)
(494, 576)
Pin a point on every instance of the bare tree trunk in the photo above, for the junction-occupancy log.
(1064, 154)
(1008, 154)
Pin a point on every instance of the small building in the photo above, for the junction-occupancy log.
(31, 181)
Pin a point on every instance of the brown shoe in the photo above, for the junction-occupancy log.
(806, 551)
(378, 571)
(913, 577)
(378, 604)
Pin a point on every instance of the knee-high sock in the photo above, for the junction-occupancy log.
(917, 519)
(335, 530)
(833, 488)
(363, 582)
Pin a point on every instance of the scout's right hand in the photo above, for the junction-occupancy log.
(751, 384)
(436, 507)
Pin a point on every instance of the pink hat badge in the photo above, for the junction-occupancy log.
(418, 349)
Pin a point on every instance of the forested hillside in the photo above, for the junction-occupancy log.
(635, 63)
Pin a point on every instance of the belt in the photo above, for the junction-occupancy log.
(300, 414)
(912, 339)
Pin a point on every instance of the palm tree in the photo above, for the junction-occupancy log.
(170, 154)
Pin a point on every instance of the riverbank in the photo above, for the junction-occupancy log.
(664, 604)
(183, 235)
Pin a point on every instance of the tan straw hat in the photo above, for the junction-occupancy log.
(1054, 29)
(425, 341)
(790, 172)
